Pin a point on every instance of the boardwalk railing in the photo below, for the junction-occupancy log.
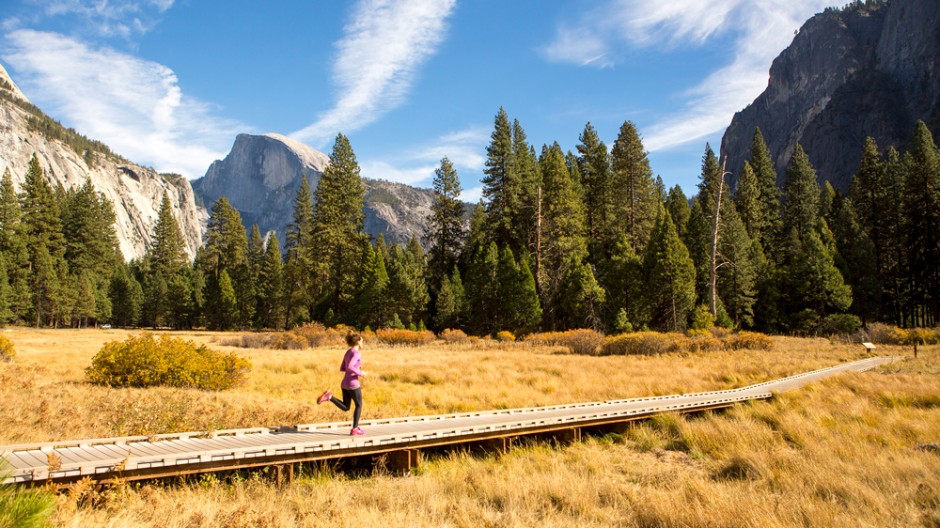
(399, 440)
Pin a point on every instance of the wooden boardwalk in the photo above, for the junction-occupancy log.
(397, 440)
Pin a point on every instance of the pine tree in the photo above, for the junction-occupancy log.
(166, 247)
(337, 233)
(13, 248)
(298, 280)
(801, 203)
(632, 178)
(678, 206)
(445, 223)
(739, 260)
(482, 296)
(524, 184)
(669, 277)
(519, 310)
(856, 259)
(747, 200)
(581, 297)
(45, 244)
(563, 233)
(816, 285)
(498, 194)
(594, 167)
(226, 250)
(371, 305)
(624, 284)
(255, 262)
(763, 166)
(450, 302)
(922, 212)
(271, 302)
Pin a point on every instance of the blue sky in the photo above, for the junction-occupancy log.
(169, 83)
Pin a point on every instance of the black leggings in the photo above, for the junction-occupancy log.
(354, 395)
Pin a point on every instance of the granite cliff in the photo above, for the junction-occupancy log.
(70, 159)
(864, 70)
(262, 173)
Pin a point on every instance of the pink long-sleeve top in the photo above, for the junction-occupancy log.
(352, 366)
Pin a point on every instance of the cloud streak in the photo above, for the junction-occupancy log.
(377, 60)
(759, 30)
(133, 105)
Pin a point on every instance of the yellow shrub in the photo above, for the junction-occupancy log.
(317, 335)
(749, 341)
(394, 336)
(454, 336)
(142, 361)
(643, 343)
(583, 341)
(505, 335)
(7, 352)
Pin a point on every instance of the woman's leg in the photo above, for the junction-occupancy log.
(347, 397)
(357, 399)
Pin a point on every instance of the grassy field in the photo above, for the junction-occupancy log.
(837, 453)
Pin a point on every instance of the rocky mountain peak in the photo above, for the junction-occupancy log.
(260, 177)
(71, 159)
(10, 87)
(865, 70)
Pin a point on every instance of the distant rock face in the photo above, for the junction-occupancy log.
(135, 192)
(261, 175)
(847, 75)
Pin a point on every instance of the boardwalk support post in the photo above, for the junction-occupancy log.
(403, 461)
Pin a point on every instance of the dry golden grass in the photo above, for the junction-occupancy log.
(837, 453)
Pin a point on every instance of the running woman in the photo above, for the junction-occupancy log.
(352, 390)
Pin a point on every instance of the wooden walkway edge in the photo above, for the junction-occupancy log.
(398, 440)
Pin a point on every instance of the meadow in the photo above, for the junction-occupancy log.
(842, 452)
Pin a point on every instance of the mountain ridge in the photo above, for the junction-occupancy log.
(865, 70)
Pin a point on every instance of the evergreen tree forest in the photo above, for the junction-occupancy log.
(561, 239)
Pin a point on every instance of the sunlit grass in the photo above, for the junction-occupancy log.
(837, 453)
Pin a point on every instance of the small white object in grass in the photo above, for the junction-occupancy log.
(869, 346)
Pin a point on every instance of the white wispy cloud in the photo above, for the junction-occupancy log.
(133, 105)
(377, 60)
(760, 30)
(108, 18)
(465, 150)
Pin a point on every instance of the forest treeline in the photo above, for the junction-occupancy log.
(560, 240)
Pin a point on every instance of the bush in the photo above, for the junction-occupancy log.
(584, 341)
(394, 336)
(454, 336)
(749, 341)
(7, 352)
(25, 507)
(505, 336)
(702, 318)
(317, 335)
(651, 343)
(882, 334)
(643, 343)
(142, 361)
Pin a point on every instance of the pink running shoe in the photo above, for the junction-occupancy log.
(325, 396)
(357, 432)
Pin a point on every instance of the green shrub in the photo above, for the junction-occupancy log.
(7, 352)
(25, 508)
(142, 361)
